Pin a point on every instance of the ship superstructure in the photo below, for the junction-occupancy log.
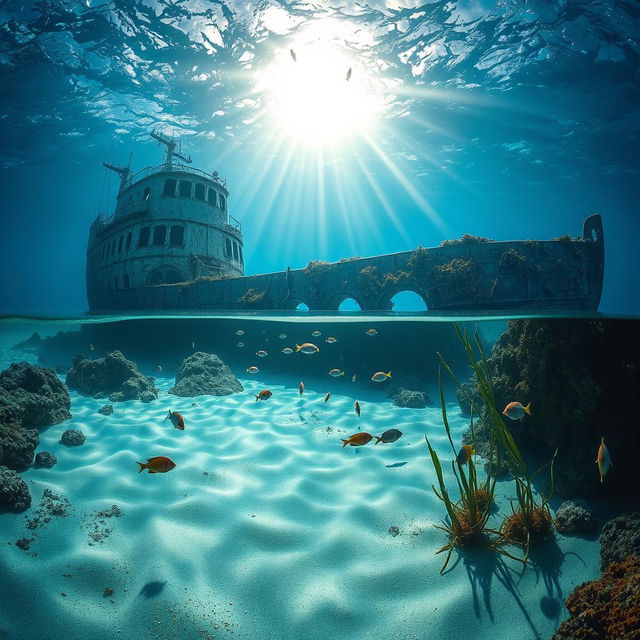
(170, 225)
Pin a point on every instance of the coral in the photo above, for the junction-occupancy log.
(72, 438)
(511, 260)
(45, 459)
(465, 239)
(458, 279)
(17, 447)
(113, 375)
(204, 374)
(515, 527)
(620, 537)
(410, 399)
(254, 299)
(14, 493)
(32, 396)
(606, 609)
(575, 516)
(106, 410)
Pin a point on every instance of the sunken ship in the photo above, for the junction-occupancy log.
(171, 244)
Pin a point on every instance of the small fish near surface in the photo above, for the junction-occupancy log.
(241, 344)
(252, 369)
(91, 347)
(307, 348)
(380, 376)
(516, 410)
(282, 336)
(158, 368)
(301, 387)
(176, 419)
(265, 394)
(356, 406)
(157, 464)
(348, 74)
(326, 398)
(371, 332)
(391, 435)
(603, 460)
(464, 455)
(358, 439)
(293, 55)
(316, 333)
(336, 373)
(262, 353)
(354, 377)
(331, 340)
(287, 350)
(239, 332)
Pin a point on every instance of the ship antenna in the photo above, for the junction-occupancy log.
(123, 172)
(171, 145)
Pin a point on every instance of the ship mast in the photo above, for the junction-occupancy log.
(171, 145)
(123, 172)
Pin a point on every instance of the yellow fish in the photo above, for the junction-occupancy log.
(516, 410)
(371, 332)
(465, 454)
(603, 460)
(307, 347)
(380, 376)
(252, 370)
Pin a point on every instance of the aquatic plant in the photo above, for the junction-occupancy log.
(531, 520)
(467, 522)
(465, 239)
(511, 260)
(253, 299)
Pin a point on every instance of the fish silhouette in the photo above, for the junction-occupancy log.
(152, 589)
(396, 464)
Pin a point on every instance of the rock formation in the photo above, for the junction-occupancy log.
(32, 396)
(409, 392)
(106, 410)
(620, 537)
(17, 447)
(14, 493)
(72, 438)
(45, 460)
(113, 376)
(204, 374)
(575, 516)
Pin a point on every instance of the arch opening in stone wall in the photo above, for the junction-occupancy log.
(407, 301)
(296, 304)
(349, 304)
(342, 301)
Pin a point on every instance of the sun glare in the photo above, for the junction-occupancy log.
(316, 94)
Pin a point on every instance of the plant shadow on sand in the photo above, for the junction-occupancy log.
(152, 589)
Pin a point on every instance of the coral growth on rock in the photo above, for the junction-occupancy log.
(204, 374)
(17, 447)
(45, 459)
(575, 516)
(112, 375)
(72, 438)
(606, 609)
(14, 493)
(620, 537)
(32, 396)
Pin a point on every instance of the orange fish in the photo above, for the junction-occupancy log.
(603, 460)
(301, 387)
(358, 439)
(465, 454)
(265, 394)
(516, 410)
(176, 419)
(356, 404)
(326, 398)
(159, 464)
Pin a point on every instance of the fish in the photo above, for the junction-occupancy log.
(158, 464)
(464, 455)
(380, 376)
(176, 419)
(515, 410)
(301, 387)
(307, 347)
(331, 340)
(356, 405)
(193, 345)
(293, 55)
(336, 373)
(391, 435)
(158, 368)
(357, 439)
(371, 332)
(316, 333)
(265, 394)
(354, 377)
(252, 369)
(262, 353)
(282, 336)
(287, 350)
(395, 464)
(326, 398)
(603, 460)
(239, 332)
(91, 347)
(241, 344)
(348, 74)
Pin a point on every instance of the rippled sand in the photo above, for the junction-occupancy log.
(266, 528)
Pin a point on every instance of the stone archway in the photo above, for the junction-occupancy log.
(384, 301)
(333, 302)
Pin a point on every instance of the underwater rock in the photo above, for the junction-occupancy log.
(32, 396)
(33, 342)
(45, 459)
(394, 530)
(620, 537)
(17, 447)
(494, 465)
(204, 374)
(409, 392)
(112, 375)
(467, 396)
(14, 493)
(147, 396)
(606, 609)
(575, 516)
(581, 378)
(72, 438)
(106, 410)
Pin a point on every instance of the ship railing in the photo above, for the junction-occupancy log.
(147, 171)
(233, 222)
(136, 209)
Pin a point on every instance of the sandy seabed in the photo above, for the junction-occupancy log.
(266, 529)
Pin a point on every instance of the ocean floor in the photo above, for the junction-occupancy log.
(266, 529)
